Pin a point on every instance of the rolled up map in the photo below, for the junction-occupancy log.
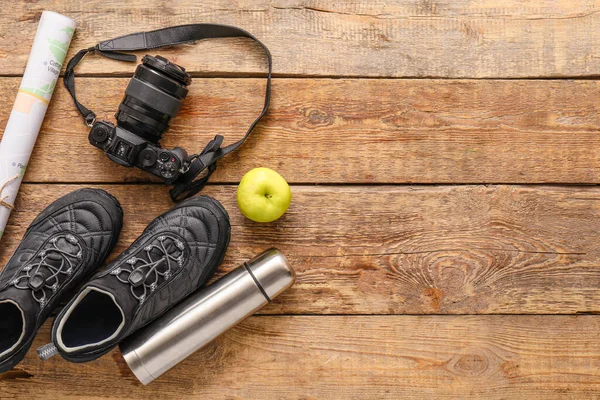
(48, 53)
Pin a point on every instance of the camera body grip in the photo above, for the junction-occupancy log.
(130, 150)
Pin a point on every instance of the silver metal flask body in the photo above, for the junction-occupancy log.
(206, 314)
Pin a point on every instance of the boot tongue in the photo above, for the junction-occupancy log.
(68, 244)
(54, 259)
(53, 263)
(63, 247)
(172, 248)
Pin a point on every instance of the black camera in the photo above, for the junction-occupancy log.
(154, 96)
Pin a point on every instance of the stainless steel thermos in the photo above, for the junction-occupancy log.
(206, 314)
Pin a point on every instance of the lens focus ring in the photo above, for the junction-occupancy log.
(153, 96)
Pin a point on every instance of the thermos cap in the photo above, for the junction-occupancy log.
(272, 272)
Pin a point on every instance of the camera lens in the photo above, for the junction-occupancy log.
(154, 96)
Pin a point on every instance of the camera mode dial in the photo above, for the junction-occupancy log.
(168, 170)
(100, 133)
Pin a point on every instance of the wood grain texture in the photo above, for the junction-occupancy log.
(399, 250)
(350, 131)
(408, 357)
(408, 38)
(366, 253)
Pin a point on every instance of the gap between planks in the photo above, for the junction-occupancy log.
(254, 75)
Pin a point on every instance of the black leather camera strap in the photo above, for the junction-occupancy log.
(203, 163)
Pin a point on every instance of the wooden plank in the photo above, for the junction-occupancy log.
(351, 131)
(399, 250)
(408, 357)
(389, 38)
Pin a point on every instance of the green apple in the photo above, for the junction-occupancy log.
(263, 195)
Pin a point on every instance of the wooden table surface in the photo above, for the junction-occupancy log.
(444, 162)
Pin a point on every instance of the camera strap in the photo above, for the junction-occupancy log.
(204, 163)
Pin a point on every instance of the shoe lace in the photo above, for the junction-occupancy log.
(151, 267)
(50, 268)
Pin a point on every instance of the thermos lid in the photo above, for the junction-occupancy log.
(272, 272)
